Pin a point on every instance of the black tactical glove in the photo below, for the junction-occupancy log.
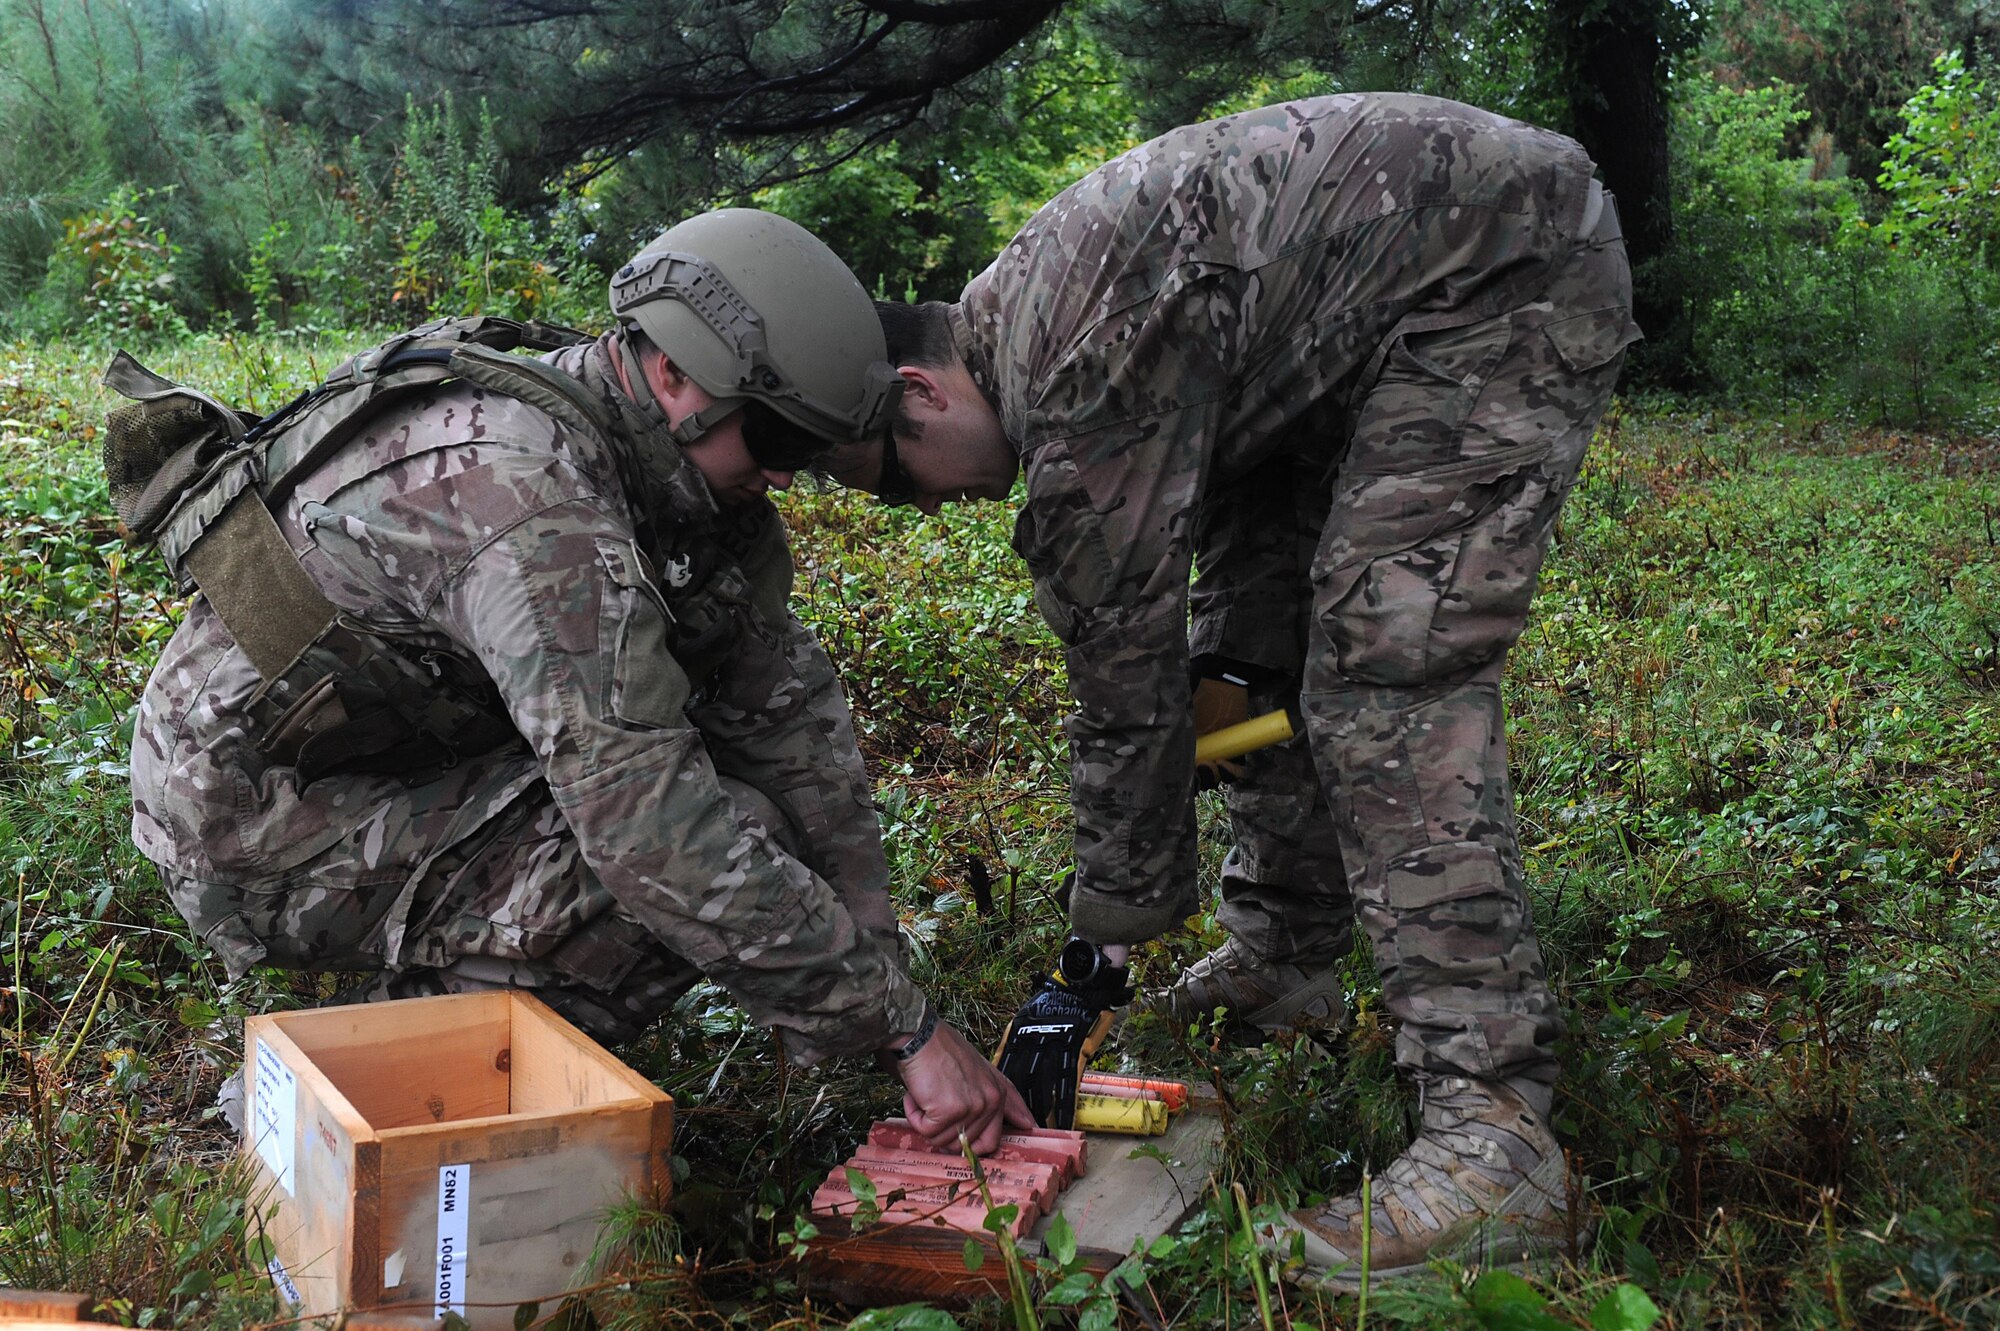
(1059, 1028)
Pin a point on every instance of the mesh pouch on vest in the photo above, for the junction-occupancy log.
(200, 479)
(163, 446)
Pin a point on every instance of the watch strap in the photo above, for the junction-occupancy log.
(915, 1044)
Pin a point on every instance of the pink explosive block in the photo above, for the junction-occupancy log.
(925, 1202)
(1042, 1181)
(1049, 1146)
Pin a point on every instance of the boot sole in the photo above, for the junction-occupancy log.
(1524, 1256)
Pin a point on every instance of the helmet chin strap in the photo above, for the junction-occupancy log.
(668, 476)
(701, 422)
(691, 427)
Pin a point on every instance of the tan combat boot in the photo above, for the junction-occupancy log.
(1259, 995)
(1482, 1184)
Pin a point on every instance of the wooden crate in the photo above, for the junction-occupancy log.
(45, 1310)
(1136, 1188)
(441, 1154)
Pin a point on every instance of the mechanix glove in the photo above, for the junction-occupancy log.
(1059, 1028)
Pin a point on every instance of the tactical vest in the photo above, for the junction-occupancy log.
(201, 480)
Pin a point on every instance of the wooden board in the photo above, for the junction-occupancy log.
(321, 1224)
(45, 1310)
(420, 1060)
(1125, 1199)
(538, 1185)
(555, 1066)
(1128, 1195)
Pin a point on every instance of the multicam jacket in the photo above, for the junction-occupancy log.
(1163, 328)
(638, 638)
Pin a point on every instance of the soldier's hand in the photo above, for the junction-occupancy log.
(1219, 703)
(950, 1088)
(1059, 1028)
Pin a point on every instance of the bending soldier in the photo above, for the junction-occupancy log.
(1341, 357)
(493, 680)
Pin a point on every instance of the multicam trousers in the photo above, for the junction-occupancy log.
(578, 951)
(1430, 541)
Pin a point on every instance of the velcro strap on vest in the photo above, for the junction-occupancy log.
(263, 595)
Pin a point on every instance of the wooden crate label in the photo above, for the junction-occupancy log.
(454, 1206)
(274, 1116)
(283, 1280)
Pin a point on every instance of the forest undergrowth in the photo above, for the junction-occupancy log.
(1753, 730)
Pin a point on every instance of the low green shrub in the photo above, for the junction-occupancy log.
(1791, 294)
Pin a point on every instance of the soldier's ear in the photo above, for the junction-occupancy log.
(923, 384)
(670, 372)
(669, 384)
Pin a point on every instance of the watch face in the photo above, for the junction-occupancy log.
(1080, 961)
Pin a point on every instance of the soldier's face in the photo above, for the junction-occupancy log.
(724, 461)
(720, 455)
(954, 448)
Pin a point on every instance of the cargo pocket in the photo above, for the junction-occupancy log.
(1389, 558)
(1456, 918)
(1456, 927)
(212, 914)
(300, 924)
(605, 952)
(1413, 416)
(1583, 342)
(648, 689)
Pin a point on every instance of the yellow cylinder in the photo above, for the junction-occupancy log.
(1237, 740)
(1106, 1113)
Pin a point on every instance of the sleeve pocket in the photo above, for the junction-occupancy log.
(1059, 535)
(647, 686)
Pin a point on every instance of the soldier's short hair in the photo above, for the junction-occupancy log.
(917, 333)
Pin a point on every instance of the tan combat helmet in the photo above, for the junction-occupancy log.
(763, 316)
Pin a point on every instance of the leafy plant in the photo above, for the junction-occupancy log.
(920, 214)
(122, 266)
(1792, 294)
(457, 249)
(1941, 174)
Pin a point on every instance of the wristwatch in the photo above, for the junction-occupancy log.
(1081, 962)
(915, 1044)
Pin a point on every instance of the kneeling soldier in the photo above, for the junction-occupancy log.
(492, 679)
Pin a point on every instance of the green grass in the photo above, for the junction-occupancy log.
(1754, 736)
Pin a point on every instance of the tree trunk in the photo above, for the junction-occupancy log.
(1615, 53)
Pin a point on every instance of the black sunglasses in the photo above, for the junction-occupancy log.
(894, 486)
(777, 444)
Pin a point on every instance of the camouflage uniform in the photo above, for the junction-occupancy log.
(1343, 355)
(684, 795)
